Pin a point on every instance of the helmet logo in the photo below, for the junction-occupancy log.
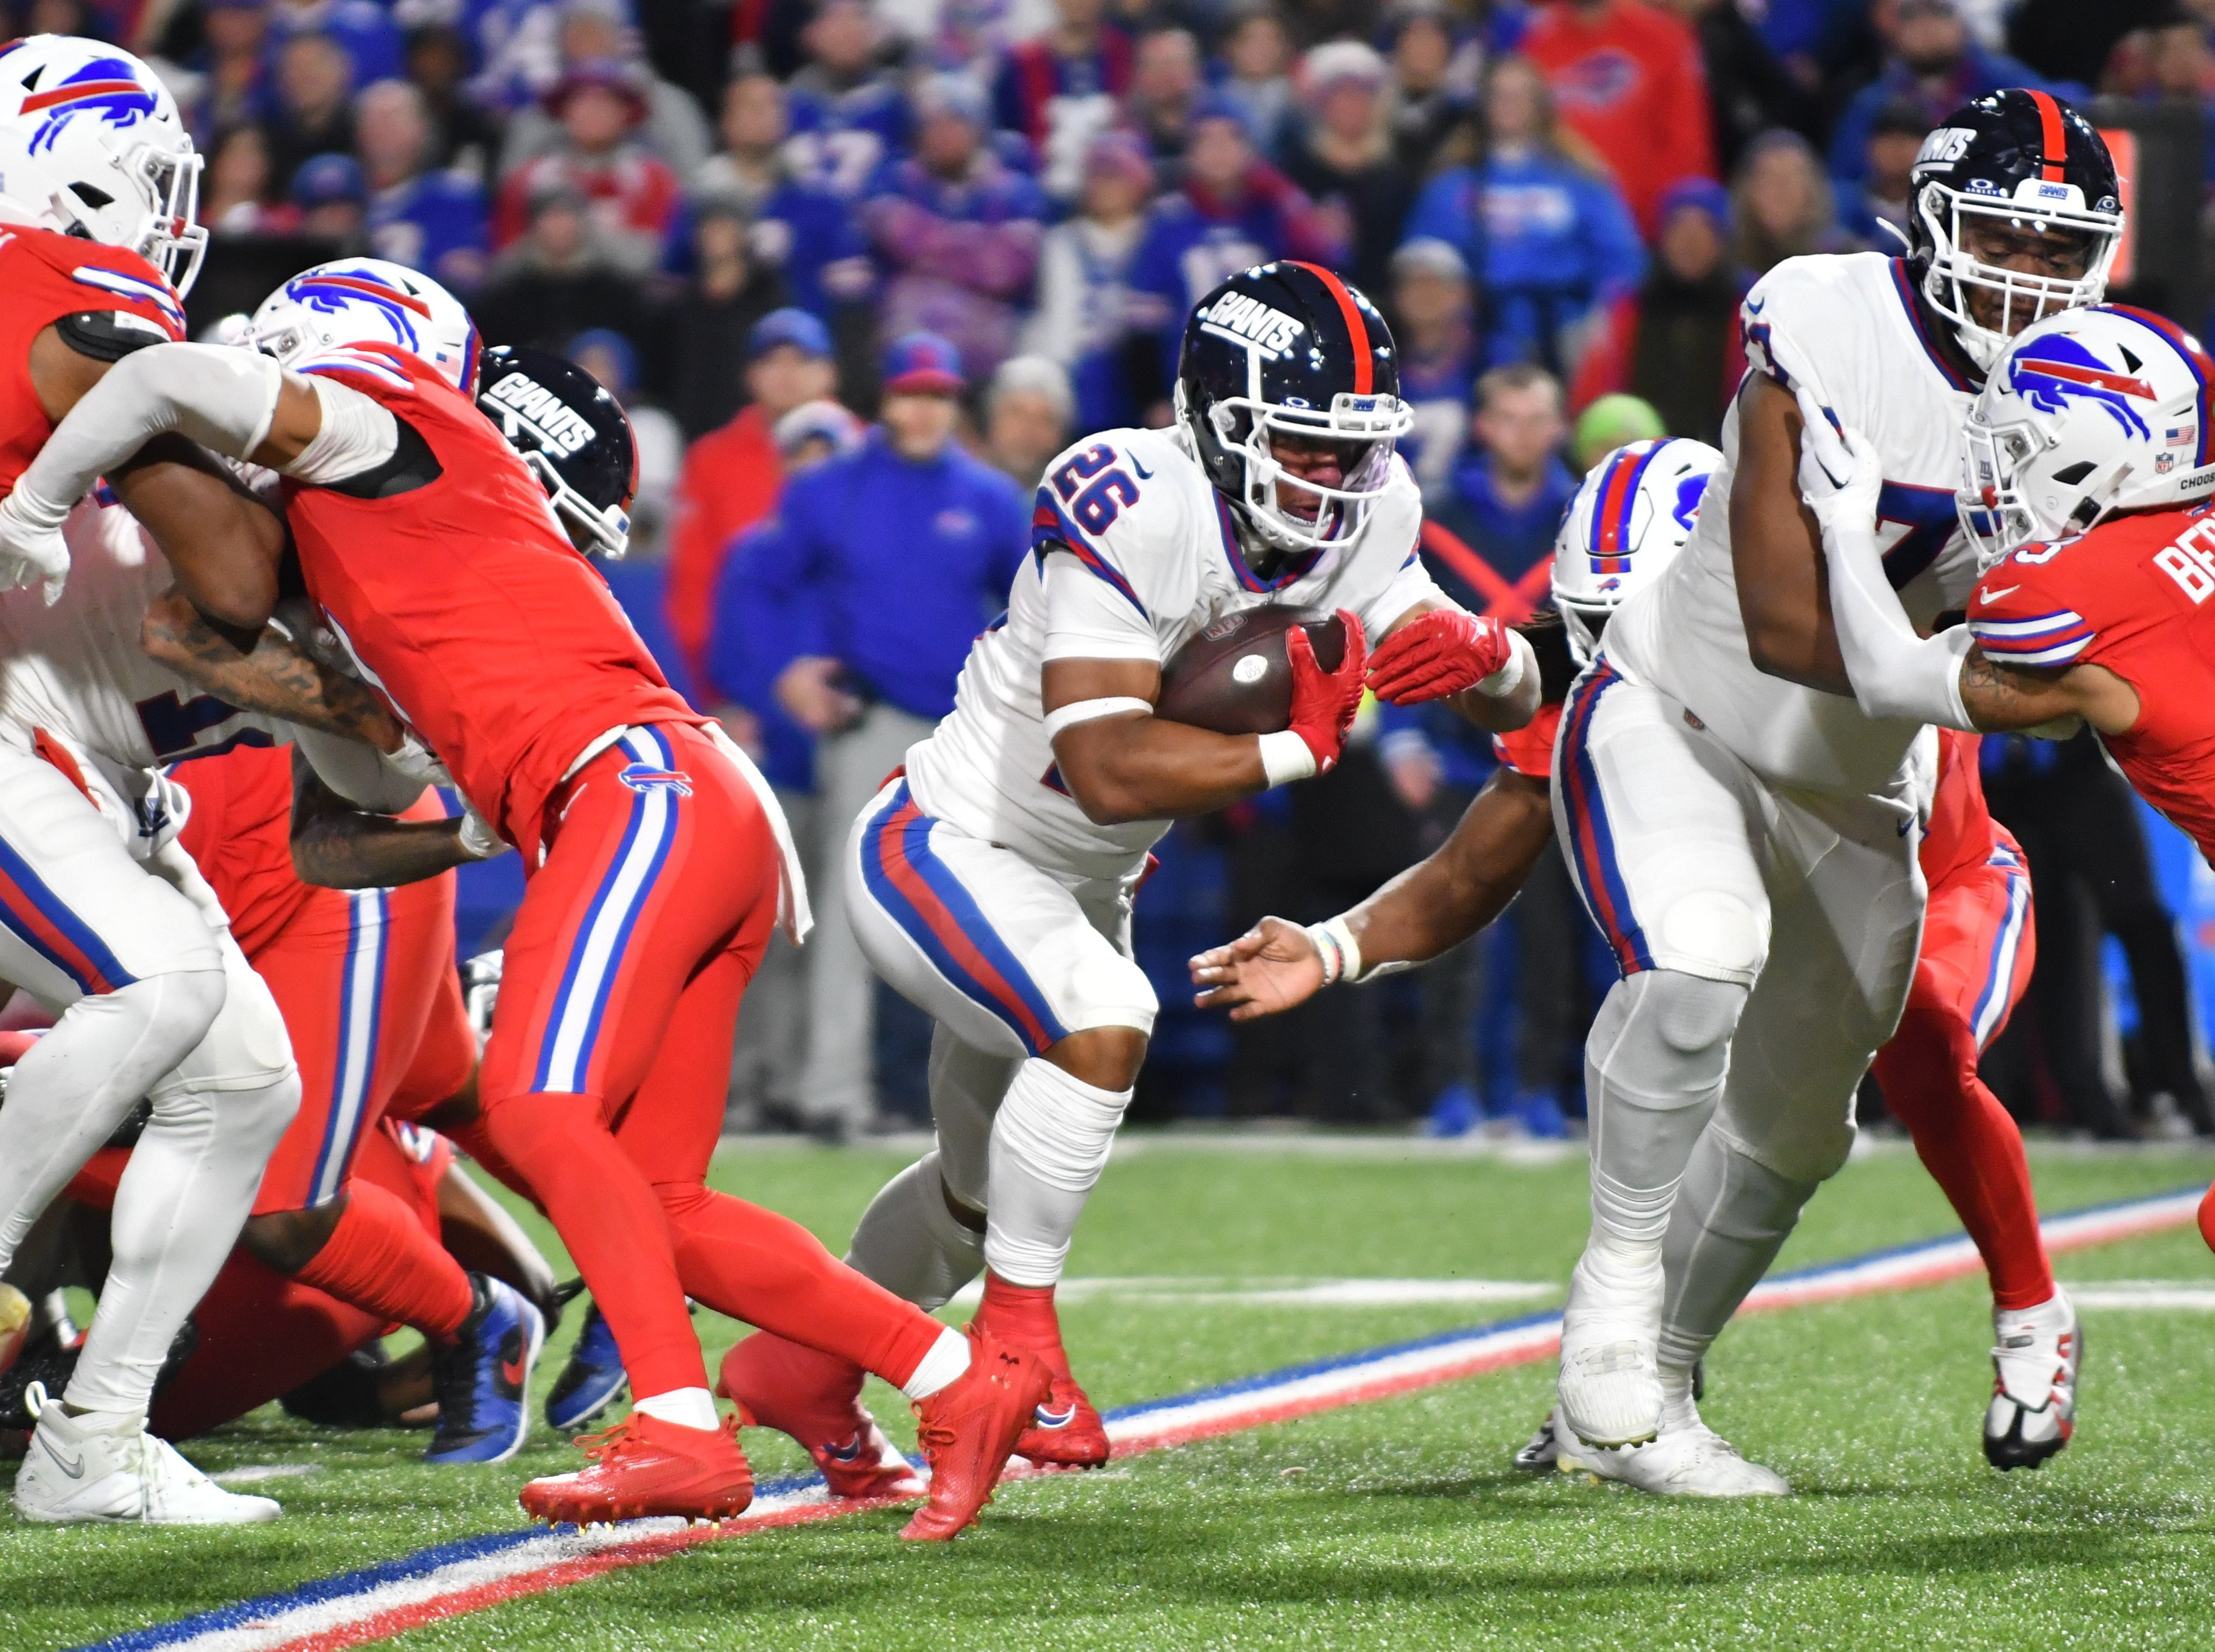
(106, 86)
(331, 292)
(529, 406)
(1691, 490)
(1246, 321)
(1945, 146)
(2050, 372)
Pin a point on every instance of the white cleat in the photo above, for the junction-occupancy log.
(1611, 1385)
(1687, 1459)
(75, 1473)
(2034, 1408)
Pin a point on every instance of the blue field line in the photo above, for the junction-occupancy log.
(446, 1554)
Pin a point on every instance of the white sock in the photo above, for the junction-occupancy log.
(947, 1359)
(688, 1408)
(1050, 1143)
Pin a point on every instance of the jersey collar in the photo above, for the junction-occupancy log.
(1904, 284)
(1295, 568)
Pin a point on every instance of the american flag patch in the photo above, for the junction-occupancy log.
(2182, 435)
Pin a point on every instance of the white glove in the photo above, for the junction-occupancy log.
(1841, 502)
(418, 762)
(479, 840)
(31, 544)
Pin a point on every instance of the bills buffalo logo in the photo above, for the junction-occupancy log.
(643, 778)
(106, 88)
(334, 292)
(2052, 372)
(1691, 490)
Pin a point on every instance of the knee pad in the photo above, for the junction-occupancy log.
(245, 1053)
(1662, 1035)
(1713, 927)
(1058, 1128)
(1114, 992)
(172, 1013)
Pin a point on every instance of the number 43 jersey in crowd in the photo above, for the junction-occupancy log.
(1133, 554)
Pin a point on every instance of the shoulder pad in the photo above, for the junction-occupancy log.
(2024, 612)
(109, 334)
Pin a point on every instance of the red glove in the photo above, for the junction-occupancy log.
(1436, 654)
(1324, 702)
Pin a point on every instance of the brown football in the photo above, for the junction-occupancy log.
(1232, 678)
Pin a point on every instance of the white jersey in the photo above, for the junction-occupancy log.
(1848, 326)
(1135, 554)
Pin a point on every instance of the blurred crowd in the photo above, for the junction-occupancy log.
(979, 224)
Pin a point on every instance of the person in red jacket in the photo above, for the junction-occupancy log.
(731, 476)
(1627, 78)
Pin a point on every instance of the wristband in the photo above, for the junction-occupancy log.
(1087, 711)
(1286, 756)
(1509, 677)
(1334, 945)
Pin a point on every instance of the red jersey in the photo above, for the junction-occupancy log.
(1530, 749)
(46, 275)
(2131, 595)
(467, 608)
(1961, 832)
(239, 835)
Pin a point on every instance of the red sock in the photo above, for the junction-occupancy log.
(1970, 1146)
(599, 1203)
(261, 1335)
(767, 1269)
(379, 1259)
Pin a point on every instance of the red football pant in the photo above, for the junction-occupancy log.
(604, 1081)
(1978, 950)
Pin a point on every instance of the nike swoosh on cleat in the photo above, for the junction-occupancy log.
(845, 1453)
(1046, 1419)
(1994, 596)
(73, 1468)
(511, 1372)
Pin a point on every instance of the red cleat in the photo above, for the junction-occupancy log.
(967, 1430)
(2206, 1228)
(15, 1324)
(1066, 1431)
(816, 1398)
(644, 1465)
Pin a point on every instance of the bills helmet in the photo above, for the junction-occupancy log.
(1632, 514)
(91, 145)
(2027, 161)
(1289, 351)
(573, 436)
(368, 301)
(2089, 413)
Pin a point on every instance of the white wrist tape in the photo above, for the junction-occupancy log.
(1334, 945)
(1521, 658)
(356, 435)
(1091, 710)
(1286, 756)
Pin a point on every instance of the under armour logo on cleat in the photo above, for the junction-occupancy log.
(643, 778)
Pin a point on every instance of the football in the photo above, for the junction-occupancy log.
(1233, 677)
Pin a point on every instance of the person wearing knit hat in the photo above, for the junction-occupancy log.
(1028, 408)
(1344, 157)
(1080, 317)
(1434, 321)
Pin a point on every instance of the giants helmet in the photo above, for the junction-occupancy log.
(368, 301)
(574, 436)
(2028, 161)
(90, 145)
(1632, 514)
(2090, 411)
(1289, 350)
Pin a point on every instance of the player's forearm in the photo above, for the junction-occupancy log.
(1894, 672)
(273, 676)
(1465, 884)
(1128, 768)
(351, 850)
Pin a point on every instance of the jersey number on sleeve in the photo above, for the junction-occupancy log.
(173, 725)
(1098, 505)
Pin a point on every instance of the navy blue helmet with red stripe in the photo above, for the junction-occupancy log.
(1284, 360)
(572, 435)
(2011, 163)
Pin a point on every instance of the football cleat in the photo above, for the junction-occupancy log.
(1541, 1454)
(1685, 1459)
(1611, 1385)
(2034, 1408)
(483, 1377)
(816, 1398)
(78, 1472)
(593, 1380)
(968, 1430)
(644, 1467)
(1066, 1431)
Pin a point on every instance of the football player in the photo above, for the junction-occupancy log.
(2088, 469)
(1744, 833)
(102, 917)
(657, 859)
(1631, 517)
(991, 881)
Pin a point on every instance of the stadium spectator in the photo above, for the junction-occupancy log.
(2070, 40)
(429, 221)
(1060, 90)
(1627, 78)
(847, 115)
(464, 137)
(331, 199)
(235, 186)
(1028, 409)
(1549, 241)
(613, 360)
(563, 276)
(730, 475)
(1234, 210)
(901, 552)
(704, 336)
(233, 65)
(1344, 157)
(1675, 342)
(362, 30)
(1931, 63)
(1781, 205)
(632, 195)
(1507, 494)
(955, 231)
(515, 45)
(1257, 55)
(598, 31)
(1084, 262)
(313, 114)
(1751, 92)
(1433, 323)
(1875, 206)
(1166, 92)
(1433, 116)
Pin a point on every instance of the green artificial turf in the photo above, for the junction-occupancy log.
(1397, 1524)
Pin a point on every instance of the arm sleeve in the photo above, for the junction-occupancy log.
(357, 772)
(1894, 672)
(357, 434)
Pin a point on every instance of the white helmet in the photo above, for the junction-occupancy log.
(368, 301)
(91, 145)
(1632, 514)
(2090, 411)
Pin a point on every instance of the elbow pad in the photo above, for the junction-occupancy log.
(357, 434)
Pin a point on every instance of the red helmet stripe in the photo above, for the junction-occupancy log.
(75, 91)
(2055, 137)
(1363, 367)
(1608, 512)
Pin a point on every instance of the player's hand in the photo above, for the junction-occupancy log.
(1438, 654)
(1840, 479)
(808, 688)
(479, 840)
(418, 762)
(32, 549)
(1324, 702)
(1269, 969)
